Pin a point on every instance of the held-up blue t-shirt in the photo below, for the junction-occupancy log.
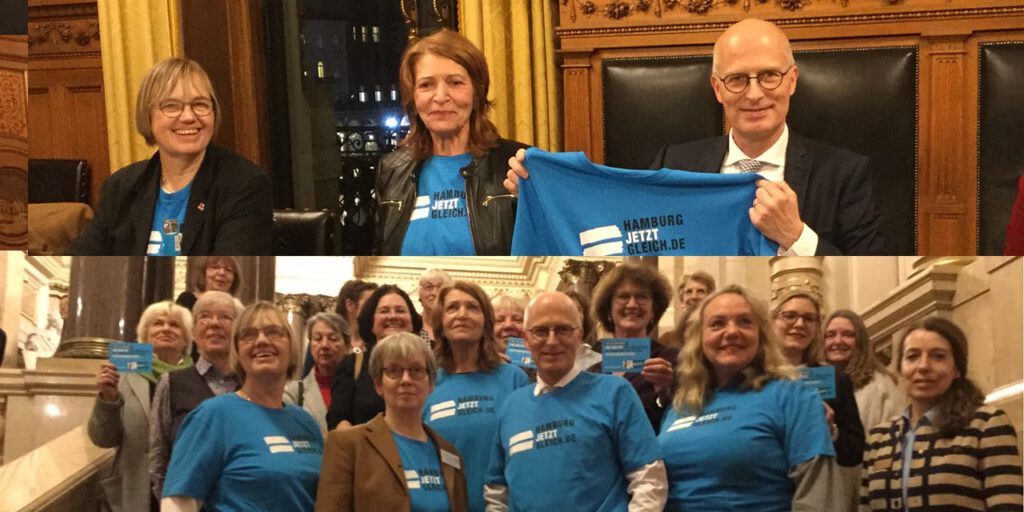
(571, 448)
(737, 454)
(572, 207)
(440, 220)
(235, 455)
(168, 219)
(423, 475)
(463, 409)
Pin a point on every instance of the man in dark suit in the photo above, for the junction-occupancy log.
(815, 199)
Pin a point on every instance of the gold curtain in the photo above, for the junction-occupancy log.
(136, 34)
(517, 37)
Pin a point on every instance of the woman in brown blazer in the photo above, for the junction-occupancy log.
(403, 465)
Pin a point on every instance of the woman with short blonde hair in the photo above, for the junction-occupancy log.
(190, 197)
(249, 450)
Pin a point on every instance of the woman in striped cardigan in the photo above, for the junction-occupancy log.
(948, 451)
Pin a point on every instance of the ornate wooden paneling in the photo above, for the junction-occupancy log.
(67, 112)
(13, 144)
(226, 38)
(946, 32)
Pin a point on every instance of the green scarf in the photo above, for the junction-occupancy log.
(160, 368)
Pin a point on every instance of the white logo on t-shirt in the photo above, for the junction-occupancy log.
(602, 241)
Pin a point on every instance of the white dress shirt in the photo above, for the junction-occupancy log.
(773, 169)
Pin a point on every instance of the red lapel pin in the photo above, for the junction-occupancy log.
(201, 207)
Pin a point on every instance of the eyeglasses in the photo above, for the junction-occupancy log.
(207, 318)
(272, 332)
(790, 317)
(640, 298)
(769, 80)
(215, 266)
(415, 373)
(543, 332)
(174, 108)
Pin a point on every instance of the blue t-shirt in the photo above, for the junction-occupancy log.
(423, 475)
(736, 456)
(571, 448)
(440, 221)
(463, 409)
(571, 207)
(168, 221)
(235, 455)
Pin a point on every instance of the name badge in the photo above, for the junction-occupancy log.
(451, 459)
(131, 357)
(518, 354)
(821, 379)
(625, 355)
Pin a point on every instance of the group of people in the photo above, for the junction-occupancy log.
(451, 187)
(419, 419)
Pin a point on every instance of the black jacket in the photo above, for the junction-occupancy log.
(492, 210)
(832, 185)
(229, 212)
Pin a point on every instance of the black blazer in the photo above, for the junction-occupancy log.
(832, 185)
(229, 212)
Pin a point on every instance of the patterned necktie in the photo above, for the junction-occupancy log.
(748, 165)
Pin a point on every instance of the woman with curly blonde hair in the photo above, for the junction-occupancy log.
(742, 433)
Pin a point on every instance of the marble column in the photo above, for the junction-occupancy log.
(13, 143)
(796, 273)
(106, 298)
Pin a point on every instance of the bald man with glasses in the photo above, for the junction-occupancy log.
(815, 199)
(575, 440)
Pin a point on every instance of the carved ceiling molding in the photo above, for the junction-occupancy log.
(64, 37)
(67, 11)
(70, 29)
(485, 271)
(685, 26)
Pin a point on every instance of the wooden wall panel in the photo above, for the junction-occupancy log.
(67, 112)
(226, 38)
(946, 32)
(13, 143)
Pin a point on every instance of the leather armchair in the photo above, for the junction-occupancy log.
(303, 233)
(1000, 152)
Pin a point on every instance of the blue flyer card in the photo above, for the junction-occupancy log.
(516, 351)
(821, 379)
(131, 357)
(625, 355)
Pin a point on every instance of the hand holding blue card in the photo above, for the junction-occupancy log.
(518, 353)
(821, 379)
(131, 357)
(626, 355)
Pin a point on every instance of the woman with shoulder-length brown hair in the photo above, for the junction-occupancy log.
(948, 450)
(472, 379)
(441, 192)
(191, 197)
(848, 348)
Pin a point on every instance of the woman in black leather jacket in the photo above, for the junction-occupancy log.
(441, 192)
